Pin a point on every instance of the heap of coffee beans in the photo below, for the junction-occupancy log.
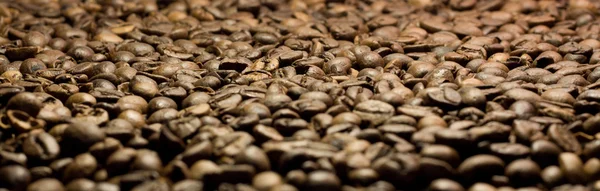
(292, 95)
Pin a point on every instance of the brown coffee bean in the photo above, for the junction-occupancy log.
(445, 184)
(80, 98)
(322, 180)
(370, 60)
(401, 168)
(138, 49)
(80, 184)
(80, 136)
(374, 111)
(590, 124)
(143, 86)
(41, 146)
(135, 118)
(83, 165)
(18, 180)
(523, 172)
(472, 96)
(572, 167)
(266, 180)
(131, 102)
(480, 167)
(27, 102)
(564, 138)
(46, 184)
(591, 168)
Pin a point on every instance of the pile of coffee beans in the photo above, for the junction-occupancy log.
(292, 95)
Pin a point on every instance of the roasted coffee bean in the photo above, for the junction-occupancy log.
(572, 167)
(80, 98)
(591, 168)
(322, 180)
(41, 146)
(523, 172)
(564, 138)
(80, 136)
(480, 167)
(83, 165)
(266, 180)
(545, 152)
(16, 177)
(143, 86)
(374, 111)
(400, 169)
(441, 152)
(80, 184)
(509, 151)
(27, 102)
(46, 184)
(188, 185)
(445, 184)
(105, 186)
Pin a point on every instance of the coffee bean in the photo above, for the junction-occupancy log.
(80, 136)
(46, 184)
(83, 165)
(370, 60)
(482, 187)
(401, 168)
(146, 160)
(322, 180)
(445, 184)
(472, 96)
(135, 118)
(480, 167)
(40, 172)
(374, 111)
(132, 102)
(523, 172)
(18, 180)
(591, 168)
(138, 49)
(188, 185)
(202, 168)
(572, 166)
(41, 146)
(564, 138)
(105, 186)
(441, 152)
(80, 184)
(255, 157)
(266, 180)
(143, 86)
(509, 151)
(26, 101)
(80, 98)
(432, 169)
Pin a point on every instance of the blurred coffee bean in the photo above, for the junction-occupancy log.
(266, 180)
(78, 137)
(322, 180)
(46, 184)
(523, 172)
(15, 177)
(572, 166)
(480, 167)
(445, 184)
